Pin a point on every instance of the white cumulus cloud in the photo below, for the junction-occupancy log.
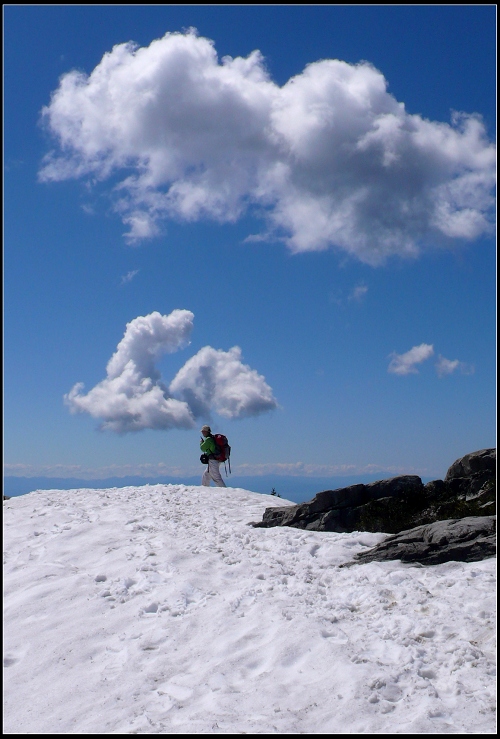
(329, 159)
(404, 364)
(219, 380)
(133, 396)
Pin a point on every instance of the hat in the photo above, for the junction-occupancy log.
(206, 428)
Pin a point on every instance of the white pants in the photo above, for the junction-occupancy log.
(213, 473)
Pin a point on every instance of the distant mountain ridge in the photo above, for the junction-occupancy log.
(296, 489)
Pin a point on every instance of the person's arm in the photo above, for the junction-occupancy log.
(208, 446)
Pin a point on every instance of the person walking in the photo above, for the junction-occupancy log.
(208, 447)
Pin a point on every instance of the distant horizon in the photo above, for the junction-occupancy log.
(296, 471)
(295, 488)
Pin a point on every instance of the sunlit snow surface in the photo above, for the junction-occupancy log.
(159, 610)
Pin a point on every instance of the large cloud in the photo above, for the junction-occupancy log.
(133, 397)
(330, 158)
(219, 380)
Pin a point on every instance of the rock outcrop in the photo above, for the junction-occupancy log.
(403, 505)
(459, 540)
(399, 503)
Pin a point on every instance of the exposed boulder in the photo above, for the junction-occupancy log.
(473, 477)
(473, 465)
(460, 540)
(349, 509)
(400, 503)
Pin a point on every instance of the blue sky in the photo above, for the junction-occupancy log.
(337, 229)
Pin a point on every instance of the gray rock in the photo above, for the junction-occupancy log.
(450, 519)
(473, 478)
(460, 540)
(399, 503)
(394, 487)
(485, 460)
(342, 509)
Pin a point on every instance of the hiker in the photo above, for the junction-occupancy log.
(208, 447)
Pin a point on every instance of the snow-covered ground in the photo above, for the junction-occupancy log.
(159, 610)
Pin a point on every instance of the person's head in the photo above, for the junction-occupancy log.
(206, 430)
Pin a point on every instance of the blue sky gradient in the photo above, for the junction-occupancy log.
(319, 327)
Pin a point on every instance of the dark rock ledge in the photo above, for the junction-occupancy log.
(450, 519)
(459, 540)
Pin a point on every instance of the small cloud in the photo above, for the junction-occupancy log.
(404, 364)
(141, 225)
(449, 366)
(358, 293)
(446, 366)
(129, 276)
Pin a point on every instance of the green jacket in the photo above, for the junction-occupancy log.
(208, 445)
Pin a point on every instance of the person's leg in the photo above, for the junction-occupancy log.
(213, 468)
(205, 480)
